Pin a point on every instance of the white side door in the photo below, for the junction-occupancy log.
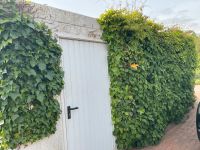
(87, 92)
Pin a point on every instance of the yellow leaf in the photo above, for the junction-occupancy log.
(134, 66)
(28, 1)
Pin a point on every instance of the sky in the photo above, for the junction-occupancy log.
(185, 13)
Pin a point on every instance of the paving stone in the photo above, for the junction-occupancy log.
(182, 136)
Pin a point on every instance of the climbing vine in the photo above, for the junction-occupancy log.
(151, 71)
(30, 78)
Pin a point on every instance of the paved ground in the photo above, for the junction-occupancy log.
(182, 136)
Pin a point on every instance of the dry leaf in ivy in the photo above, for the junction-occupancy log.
(134, 66)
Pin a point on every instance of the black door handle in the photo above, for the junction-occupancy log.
(69, 109)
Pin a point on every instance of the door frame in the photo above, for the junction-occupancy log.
(63, 101)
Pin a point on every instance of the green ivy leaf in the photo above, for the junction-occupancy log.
(33, 63)
(32, 72)
(49, 76)
(40, 97)
(14, 95)
(14, 117)
(39, 42)
(42, 66)
(141, 111)
(1, 122)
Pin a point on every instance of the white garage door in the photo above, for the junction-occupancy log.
(86, 96)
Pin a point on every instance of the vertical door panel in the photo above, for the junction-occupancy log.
(87, 87)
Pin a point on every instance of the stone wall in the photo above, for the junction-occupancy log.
(66, 24)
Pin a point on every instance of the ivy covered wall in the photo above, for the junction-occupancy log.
(30, 79)
(151, 72)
